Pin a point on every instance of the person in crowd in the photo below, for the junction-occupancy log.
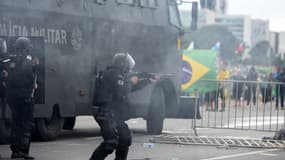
(223, 75)
(209, 100)
(237, 87)
(251, 86)
(266, 88)
(279, 77)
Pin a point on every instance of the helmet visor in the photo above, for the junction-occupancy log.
(131, 61)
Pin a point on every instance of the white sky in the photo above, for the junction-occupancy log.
(273, 10)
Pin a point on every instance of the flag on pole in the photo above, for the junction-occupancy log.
(240, 48)
(191, 46)
(198, 65)
(216, 47)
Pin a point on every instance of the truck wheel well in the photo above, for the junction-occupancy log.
(171, 97)
(56, 109)
(49, 128)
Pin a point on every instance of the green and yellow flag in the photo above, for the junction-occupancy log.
(198, 65)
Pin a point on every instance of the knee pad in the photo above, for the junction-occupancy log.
(125, 141)
(25, 141)
(14, 139)
(110, 145)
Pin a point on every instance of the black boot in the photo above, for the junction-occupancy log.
(122, 154)
(17, 155)
(20, 155)
(27, 156)
(98, 155)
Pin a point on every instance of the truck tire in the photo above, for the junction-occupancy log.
(156, 112)
(69, 123)
(5, 130)
(47, 129)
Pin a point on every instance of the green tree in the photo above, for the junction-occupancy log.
(261, 54)
(208, 36)
(278, 61)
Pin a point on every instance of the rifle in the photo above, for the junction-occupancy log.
(147, 75)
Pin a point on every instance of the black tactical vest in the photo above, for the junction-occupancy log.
(20, 78)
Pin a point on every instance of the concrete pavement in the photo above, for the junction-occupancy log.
(79, 144)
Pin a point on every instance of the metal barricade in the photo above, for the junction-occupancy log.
(244, 105)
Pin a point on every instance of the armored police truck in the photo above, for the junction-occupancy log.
(74, 39)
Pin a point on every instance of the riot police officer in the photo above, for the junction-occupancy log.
(3, 77)
(3, 91)
(114, 86)
(21, 86)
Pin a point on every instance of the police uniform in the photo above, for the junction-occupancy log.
(3, 92)
(3, 77)
(21, 81)
(113, 112)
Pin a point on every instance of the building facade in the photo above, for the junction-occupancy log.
(274, 41)
(219, 6)
(260, 31)
(281, 43)
(210, 9)
(277, 42)
(239, 25)
(206, 17)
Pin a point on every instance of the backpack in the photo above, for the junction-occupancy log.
(98, 82)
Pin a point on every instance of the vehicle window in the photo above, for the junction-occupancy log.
(127, 2)
(174, 15)
(100, 1)
(149, 3)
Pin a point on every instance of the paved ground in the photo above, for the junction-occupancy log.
(78, 144)
(254, 117)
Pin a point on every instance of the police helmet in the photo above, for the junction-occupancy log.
(124, 61)
(23, 45)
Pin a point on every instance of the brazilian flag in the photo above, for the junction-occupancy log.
(199, 66)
